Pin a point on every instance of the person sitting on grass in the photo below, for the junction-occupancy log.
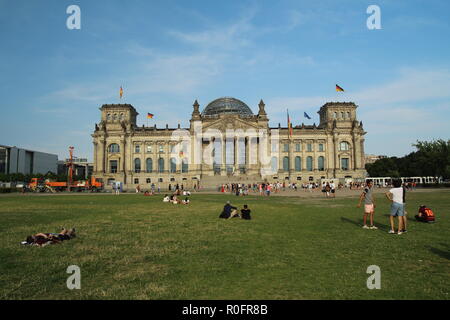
(395, 195)
(175, 199)
(166, 198)
(185, 201)
(369, 204)
(228, 211)
(425, 214)
(245, 213)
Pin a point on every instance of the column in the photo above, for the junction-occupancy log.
(290, 156)
(101, 158)
(122, 156)
(223, 165)
(315, 164)
(355, 153)
(167, 161)
(95, 157)
(235, 155)
(247, 153)
(336, 157)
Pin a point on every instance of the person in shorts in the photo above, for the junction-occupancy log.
(369, 204)
(395, 195)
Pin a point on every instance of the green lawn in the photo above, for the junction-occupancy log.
(136, 247)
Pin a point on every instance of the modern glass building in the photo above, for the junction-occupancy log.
(17, 160)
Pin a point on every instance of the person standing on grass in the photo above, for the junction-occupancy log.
(395, 195)
(333, 189)
(369, 204)
(404, 209)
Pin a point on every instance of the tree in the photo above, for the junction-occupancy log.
(438, 154)
(432, 158)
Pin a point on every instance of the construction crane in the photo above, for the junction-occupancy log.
(70, 165)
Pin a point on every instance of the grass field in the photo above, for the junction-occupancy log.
(136, 247)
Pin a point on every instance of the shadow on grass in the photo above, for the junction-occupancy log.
(442, 253)
(380, 226)
(356, 223)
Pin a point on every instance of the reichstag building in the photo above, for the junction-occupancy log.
(227, 142)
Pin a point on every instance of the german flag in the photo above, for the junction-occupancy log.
(339, 88)
(149, 115)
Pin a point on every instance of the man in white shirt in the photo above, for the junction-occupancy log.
(395, 195)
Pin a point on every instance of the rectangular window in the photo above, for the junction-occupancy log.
(309, 147)
(286, 147)
(298, 147)
(274, 146)
(161, 148)
(113, 166)
(344, 163)
(149, 149)
(172, 148)
(137, 148)
(320, 146)
(136, 181)
(148, 180)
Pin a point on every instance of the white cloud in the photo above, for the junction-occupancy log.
(412, 85)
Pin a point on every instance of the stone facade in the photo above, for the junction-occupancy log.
(227, 140)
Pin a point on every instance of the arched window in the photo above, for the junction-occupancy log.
(298, 164)
(274, 164)
(137, 165)
(309, 163)
(114, 148)
(115, 116)
(344, 146)
(321, 163)
(173, 165)
(108, 116)
(149, 165)
(121, 117)
(285, 163)
(160, 165)
(185, 165)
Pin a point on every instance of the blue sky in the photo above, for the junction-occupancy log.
(166, 54)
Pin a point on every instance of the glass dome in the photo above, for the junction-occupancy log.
(227, 105)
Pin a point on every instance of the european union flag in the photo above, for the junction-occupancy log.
(306, 115)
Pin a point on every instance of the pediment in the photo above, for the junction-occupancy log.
(229, 122)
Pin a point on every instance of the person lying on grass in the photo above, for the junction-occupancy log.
(42, 239)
